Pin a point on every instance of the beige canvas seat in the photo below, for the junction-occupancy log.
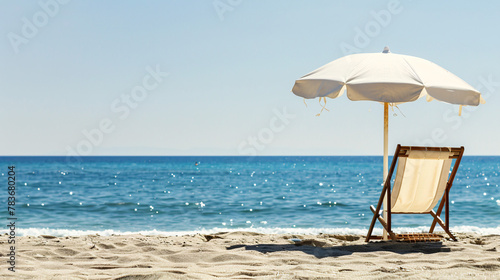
(423, 178)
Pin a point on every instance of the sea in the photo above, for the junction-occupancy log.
(163, 195)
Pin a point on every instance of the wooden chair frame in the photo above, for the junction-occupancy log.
(401, 151)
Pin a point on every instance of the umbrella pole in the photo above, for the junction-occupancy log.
(386, 159)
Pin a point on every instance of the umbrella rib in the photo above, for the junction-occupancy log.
(414, 72)
(351, 70)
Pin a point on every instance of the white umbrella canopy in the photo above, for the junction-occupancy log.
(387, 78)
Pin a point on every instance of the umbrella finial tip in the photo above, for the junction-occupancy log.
(386, 50)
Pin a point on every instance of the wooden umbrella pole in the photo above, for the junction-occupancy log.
(386, 159)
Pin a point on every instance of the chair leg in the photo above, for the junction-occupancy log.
(440, 208)
(447, 208)
(442, 224)
(375, 216)
(438, 213)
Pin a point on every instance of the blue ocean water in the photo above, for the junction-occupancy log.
(173, 195)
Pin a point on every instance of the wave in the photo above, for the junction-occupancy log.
(311, 231)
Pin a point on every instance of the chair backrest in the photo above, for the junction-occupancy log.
(421, 178)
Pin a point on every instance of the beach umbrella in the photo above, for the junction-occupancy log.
(387, 78)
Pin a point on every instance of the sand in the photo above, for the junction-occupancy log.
(247, 255)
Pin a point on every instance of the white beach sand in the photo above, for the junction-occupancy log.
(246, 255)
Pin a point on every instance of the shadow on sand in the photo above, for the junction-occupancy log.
(322, 250)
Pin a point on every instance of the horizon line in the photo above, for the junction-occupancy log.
(3, 156)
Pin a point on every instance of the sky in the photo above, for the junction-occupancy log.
(214, 77)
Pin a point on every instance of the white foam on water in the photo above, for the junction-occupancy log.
(311, 231)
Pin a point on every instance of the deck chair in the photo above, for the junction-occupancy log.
(422, 178)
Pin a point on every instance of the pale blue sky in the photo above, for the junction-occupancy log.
(229, 71)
